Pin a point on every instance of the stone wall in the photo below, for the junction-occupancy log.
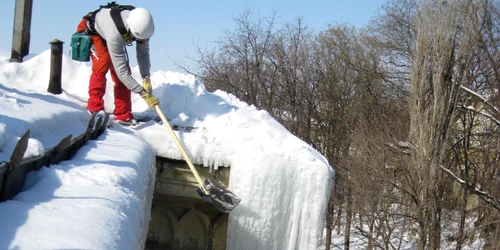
(180, 218)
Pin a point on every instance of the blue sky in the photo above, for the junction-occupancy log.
(181, 24)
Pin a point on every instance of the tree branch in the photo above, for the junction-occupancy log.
(481, 113)
(495, 202)
(482, 99)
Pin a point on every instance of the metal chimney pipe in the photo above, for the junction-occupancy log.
(56, 50)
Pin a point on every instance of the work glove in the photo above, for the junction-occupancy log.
(148, 96)
(146, 84)
(150, 100)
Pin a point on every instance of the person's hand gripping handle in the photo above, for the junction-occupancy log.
(147, 94)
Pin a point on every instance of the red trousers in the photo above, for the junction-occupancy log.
(101, 64)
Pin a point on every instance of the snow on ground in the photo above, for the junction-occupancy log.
(100, 199)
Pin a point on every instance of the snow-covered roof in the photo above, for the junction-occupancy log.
(99, 199)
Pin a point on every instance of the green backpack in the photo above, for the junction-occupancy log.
(80, 47)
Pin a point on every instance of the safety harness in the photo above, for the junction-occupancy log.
(115, 12)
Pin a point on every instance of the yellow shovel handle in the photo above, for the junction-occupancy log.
(186, 158)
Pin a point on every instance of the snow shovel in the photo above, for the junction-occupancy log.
(210, 190)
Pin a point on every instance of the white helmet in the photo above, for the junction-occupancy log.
(140, 23)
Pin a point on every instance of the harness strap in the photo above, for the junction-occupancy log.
(115, 13)
(117, 19)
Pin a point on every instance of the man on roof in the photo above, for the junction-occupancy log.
(113, 27)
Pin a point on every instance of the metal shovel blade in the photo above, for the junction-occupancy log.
(217, 195)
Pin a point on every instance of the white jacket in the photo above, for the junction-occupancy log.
(106, 28)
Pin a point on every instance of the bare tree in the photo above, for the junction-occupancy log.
(238, 64)
(438, 70)
(405, 110)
